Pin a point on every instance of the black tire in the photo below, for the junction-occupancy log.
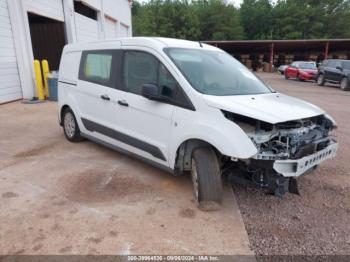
(286, 76)
(299, 79)
(321, 80)
(344, 84)
(206, 178)
(70, 126)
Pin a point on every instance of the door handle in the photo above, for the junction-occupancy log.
(105, 97)
(123, 103)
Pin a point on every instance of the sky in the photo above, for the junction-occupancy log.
(235, 2)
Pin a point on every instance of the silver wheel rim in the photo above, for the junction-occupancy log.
(320, 80)
(343, 84)
(69, 124)
(194, 175)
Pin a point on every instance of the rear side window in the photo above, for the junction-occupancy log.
(96, 67)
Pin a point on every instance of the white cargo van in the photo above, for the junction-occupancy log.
(190, 107)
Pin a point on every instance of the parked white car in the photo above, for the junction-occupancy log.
(190, 107)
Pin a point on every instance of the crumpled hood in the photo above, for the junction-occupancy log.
(272, 108)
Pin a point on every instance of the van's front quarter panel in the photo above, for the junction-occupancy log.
(209, 124)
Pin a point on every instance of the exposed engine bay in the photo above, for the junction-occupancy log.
(292, 140)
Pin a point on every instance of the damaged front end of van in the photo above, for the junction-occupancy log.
(285, 151)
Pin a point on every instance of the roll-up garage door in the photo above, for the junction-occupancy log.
(86, 28)
(111, 27)
(124, 30)
(10, 86)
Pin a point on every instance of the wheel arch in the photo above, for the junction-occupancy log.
(184, 153)
(63, 108)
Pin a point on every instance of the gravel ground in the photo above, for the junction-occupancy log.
(317, 221)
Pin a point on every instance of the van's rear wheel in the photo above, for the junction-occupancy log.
(70, 126)
(206, 178)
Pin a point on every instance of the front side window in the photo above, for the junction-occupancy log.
(216, 73)
(97, 67)
(141, 68)
(166, 82)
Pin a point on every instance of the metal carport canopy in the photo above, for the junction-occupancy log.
(247, 46)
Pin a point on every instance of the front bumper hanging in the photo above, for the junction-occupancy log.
(297, 167)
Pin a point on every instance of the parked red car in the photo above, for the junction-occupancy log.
(301, 71)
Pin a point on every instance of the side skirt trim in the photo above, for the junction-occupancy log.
(153, 150)
(126, 152)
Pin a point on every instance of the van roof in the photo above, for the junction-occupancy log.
(152, 42)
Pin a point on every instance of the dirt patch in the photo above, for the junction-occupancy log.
(37, 247)
(95, 186)
(187, 213)
(9, 195)
(151, 211)
(39, 150)
(39, 238)
(113, 233)
(94, 240)
(65, 249)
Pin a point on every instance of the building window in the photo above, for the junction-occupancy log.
(84, 10)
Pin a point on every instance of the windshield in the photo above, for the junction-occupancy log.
(307, 66)
(216, 73)
(346, 65)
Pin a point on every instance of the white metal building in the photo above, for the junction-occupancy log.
(38, 29)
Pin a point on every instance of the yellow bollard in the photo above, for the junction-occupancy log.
(46, 72)
(39, 80)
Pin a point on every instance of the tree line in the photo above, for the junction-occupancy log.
(255, 19)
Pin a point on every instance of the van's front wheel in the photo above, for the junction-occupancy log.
(206, 179)
(70, 126)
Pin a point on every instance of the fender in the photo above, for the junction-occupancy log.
(228, 138)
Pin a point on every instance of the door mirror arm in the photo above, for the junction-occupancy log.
(150, 91)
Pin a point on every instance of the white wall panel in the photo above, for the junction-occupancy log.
(10, 87)
(86, 28)
(48, 8)
(119, 10)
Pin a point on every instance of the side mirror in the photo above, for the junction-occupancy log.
(150, 91)
(339, 68)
